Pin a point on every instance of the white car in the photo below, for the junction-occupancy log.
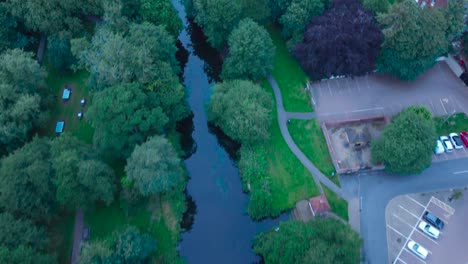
(439, 149)
(456, 140)
(429, 230)
(447, 144)
(417, 249)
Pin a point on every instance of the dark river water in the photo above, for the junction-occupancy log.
(219, 230)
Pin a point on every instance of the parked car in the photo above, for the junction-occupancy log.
(418, 249)
(434, 220)
(456, 141)
(439, 148)
(429, 230)
(464, 138)
(447, 144)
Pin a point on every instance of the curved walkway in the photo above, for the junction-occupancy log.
(283, 117)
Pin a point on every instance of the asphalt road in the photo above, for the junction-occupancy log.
(376, 190)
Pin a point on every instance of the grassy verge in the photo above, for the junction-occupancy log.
(338, 205)
(290, 76)
(67, 111)
(290, 179)
(456, 123)
(309, 137)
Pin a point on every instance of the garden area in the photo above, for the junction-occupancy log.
(455, 123)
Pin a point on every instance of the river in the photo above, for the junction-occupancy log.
(221, 231)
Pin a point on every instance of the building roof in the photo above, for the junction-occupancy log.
(319, 204)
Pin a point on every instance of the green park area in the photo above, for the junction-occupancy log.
(289, 75)
(309, 137)
(453, 124)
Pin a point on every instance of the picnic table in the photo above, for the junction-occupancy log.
(59, 127)
(66, 93)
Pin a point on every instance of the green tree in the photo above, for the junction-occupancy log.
(414, 38)
(80, 180)
(24, 255)
(454, 14)
(162, 12)
(154, 166)
(415, 129)
(15, 232)
(258, 10)
(123, 117)
(50, 16)
(217, 18)
(114, 58)
(10, 35)
(321, 241)
(127, 246)
(298, 15)
(26, 187)
(21, 82)
(278, 8)
(251, 52)
(59, 51)
(242, 110)
(377, 6)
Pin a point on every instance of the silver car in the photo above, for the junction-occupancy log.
(417, 249)
(447, 144)
(429, 230)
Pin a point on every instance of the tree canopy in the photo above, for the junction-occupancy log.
(454, 14)
(406, 144)
(10, 34)
(80, 179)
(126, 246)
(343, 41)
(217, 18)
(133, 56)
(161, 12)
(22, 81)
(258, 10)
(59, 51)
(414, 39)
(15, 232)
(321, 241)
(278, 8)
(251, 52)
(26, 187)
(242, 110)
(377, 6)
(154, 166)
(297, 15)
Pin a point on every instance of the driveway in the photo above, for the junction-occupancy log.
(377, 189)
(375, 94)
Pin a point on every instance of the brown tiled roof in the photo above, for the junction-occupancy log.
(319, 204)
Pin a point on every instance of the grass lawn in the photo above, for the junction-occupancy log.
(456, 123)
(67, 111)
(289, 75)
(285, 169)
(308, 136)
(338, 205)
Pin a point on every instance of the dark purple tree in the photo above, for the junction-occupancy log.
(345, 40)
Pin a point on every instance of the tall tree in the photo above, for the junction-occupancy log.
(50, 16)
(15, 232)
(24, 255)
(251, 52)
(413, 126)
(80, 180)
(414, 38)
(278, 8)
(258, 10)
(154, 167)
(114, 58)
(123, 117)
(321, 241)
(127, 246)
(454, 14)
(10, 34)
(377, 6)
(59, 51)
(26, 187)
(343, 41)
(297, 15)
(21, 82)
(242, 110)
(161, 12)
(217, 18)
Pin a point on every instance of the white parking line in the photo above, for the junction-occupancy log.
(445, 99)
(403, 221)
(396, 231)
(409, 197)
(416, 257)
(329, 89)
(460, 172)
(368, 109)
(408, 212)
(401, 261)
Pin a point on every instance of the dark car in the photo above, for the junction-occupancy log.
(433, 220)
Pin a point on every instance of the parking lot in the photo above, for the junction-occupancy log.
(375, 95)
(456, 154)
(403, 215)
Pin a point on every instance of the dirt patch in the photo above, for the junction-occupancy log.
(349, 142)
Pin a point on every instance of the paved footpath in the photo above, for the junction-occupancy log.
(283, 117)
